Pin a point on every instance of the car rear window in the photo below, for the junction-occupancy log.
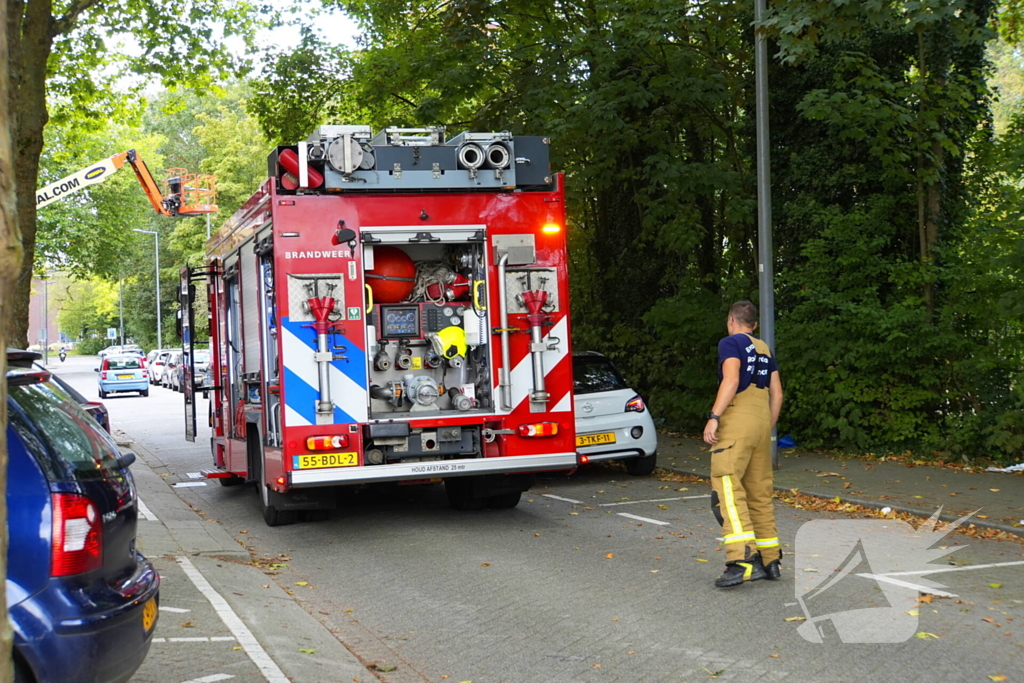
(124, 363)
(593, 374)
(66, 441)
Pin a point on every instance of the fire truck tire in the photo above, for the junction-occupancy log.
(504, 501)
(272, 515)
(642, 466)
(460, 494)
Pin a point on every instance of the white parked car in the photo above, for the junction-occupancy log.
(612, 421)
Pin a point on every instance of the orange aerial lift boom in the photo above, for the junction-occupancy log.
(185, 194)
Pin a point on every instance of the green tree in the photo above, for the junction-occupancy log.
(58, 56)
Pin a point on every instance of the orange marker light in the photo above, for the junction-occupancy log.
(539, 429)
(551, 229)
(323, 443)
(281, 481)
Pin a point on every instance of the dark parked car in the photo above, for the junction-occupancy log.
(81, 600)
(26, 359)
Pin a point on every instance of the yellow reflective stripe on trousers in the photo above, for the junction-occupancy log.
(767, 542)
(730, 505)
(735, 538)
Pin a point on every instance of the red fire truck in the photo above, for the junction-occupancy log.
(390, 308)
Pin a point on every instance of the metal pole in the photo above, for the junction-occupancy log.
(766, 283)
(120, 305)
(159, 323)
(207, 226)
(46, 321)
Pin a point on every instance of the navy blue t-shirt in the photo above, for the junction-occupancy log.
(755, 368)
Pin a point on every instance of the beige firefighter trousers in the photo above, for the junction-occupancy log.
(741, 478)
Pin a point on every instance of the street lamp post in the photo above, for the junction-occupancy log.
(766, 284)
(159, 324)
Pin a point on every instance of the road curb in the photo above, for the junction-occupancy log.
(875, 504)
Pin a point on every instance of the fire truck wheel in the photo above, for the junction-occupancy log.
(272, 515)
(642, 466)
(504, 501)
(460, 494)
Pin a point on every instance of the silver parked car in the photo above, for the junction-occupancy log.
(612, 420)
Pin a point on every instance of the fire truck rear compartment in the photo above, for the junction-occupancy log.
(422, 445)
(427, 329)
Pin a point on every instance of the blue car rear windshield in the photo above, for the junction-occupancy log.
(66, 441)
(594, 373)
(123, 363)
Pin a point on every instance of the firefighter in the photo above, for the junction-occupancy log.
(739, 432)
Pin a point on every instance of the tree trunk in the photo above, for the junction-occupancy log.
(10, 263)
(30, 41)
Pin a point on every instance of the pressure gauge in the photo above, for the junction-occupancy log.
(448, 310)
(456, 320)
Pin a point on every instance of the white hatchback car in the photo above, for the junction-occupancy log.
(612, 421)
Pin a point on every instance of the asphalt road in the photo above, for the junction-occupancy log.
(594, 577)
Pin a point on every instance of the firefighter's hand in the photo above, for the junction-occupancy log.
(710, 430)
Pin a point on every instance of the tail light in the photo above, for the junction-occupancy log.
(77, 543)
(145, 374)
(323, 443)
(103, 375)
(635, 405)
(538, 429)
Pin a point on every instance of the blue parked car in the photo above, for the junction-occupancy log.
(123, 373)
(82, 602)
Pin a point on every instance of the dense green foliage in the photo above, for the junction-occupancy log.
(897, 257)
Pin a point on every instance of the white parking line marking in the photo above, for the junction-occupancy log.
(174, 610)
(907, 584)
(643, 519)
(245, 637)
(566, 500)
(194, 475)
(211, 679)
(197, 639)
(955, 569)
(145, 513)
(652, 500)
(188, 484)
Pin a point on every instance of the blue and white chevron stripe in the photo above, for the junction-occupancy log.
(348, 378)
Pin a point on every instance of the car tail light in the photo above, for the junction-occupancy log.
(323, 443)
(145, 374)
(537, 429)
(635, 405)
(77, 544)
(103, 375)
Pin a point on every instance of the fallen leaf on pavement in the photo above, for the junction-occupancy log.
(302, 583)
(998, 678)
(701, 559)
(306, 651)
(922, 635)
(486, 564)
(385, 668)
(927, 599)
(914, 612)
(845, 486)
(795, 619)
(596, 666)
(609, 556)
(809, 569)
(995, 585)
(773, 655)
(349, 610)
(830, 474)
(188, 624)
(989, 620)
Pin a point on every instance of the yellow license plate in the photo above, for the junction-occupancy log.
(595, 439)
(126, 376)
(149, 615)
(317, 460)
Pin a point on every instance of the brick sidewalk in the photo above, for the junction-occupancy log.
(917, 489)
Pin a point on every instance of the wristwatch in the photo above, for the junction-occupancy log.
(712, 416)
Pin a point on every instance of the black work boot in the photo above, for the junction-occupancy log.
(773, 570)
(748, 569)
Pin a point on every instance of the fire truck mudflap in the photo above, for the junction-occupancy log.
(393, 308)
